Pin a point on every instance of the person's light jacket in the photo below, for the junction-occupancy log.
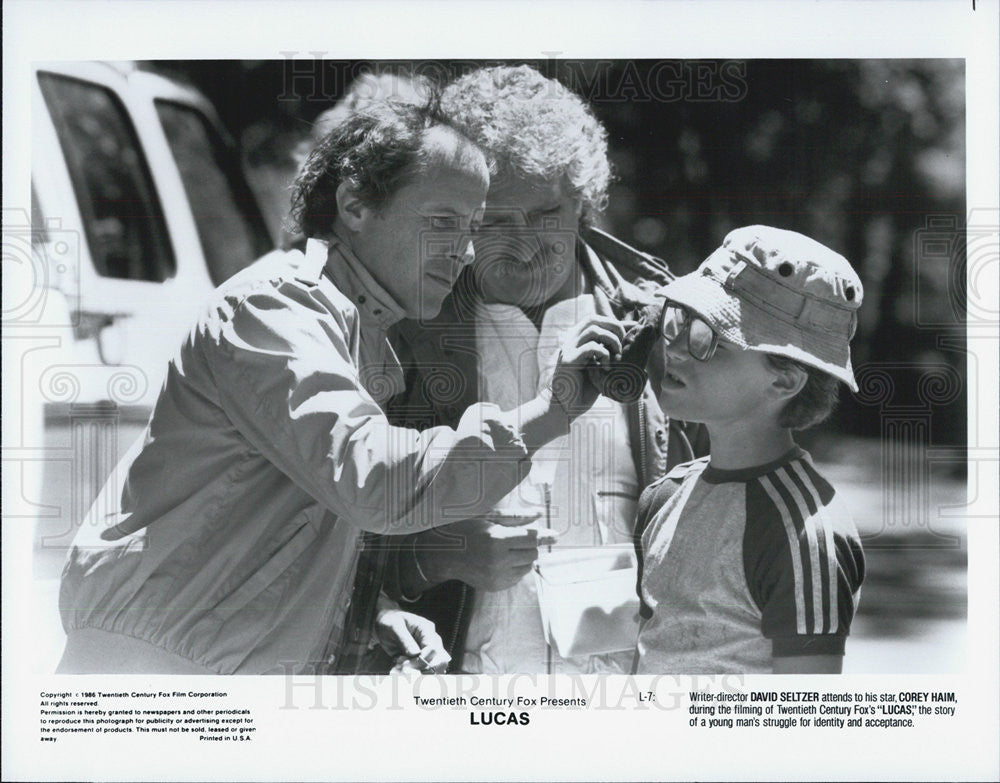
(228, 538)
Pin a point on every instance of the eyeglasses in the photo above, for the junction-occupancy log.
(701, 339)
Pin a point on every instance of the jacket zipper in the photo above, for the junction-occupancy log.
(643, 483)
(458, 618)
(333, 640)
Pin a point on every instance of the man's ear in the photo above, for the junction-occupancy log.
(788, 381)
(351, 210)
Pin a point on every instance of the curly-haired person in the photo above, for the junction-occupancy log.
(228, 539)
(539, 267)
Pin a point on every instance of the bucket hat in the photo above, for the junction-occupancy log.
(777, 291)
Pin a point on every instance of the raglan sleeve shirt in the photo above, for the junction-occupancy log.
(738, 567)
(803, 561)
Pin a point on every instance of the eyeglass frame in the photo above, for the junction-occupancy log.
(689, 318)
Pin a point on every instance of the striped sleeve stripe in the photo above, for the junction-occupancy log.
(814, 508)
(829, 559)
(803, 520)
(820, 484)
(794, 551)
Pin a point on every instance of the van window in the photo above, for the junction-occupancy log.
(122, 217)
(230, 227)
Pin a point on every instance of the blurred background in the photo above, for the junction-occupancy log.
(866, 156)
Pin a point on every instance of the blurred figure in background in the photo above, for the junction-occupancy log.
(368, 87)
(397, 85)
(540, 267)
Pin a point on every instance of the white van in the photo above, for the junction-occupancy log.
(139, 208)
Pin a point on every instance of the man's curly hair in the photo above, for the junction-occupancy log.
(378, 148)
(533, 127)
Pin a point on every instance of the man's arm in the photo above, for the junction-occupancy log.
(285, 375)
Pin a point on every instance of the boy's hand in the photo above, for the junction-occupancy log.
(591, 345)
(412, 640)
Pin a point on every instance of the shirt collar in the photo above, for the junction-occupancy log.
(375, 305)
(714, 475)
(381, 373)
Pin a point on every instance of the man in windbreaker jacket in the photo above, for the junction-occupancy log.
(227, 540)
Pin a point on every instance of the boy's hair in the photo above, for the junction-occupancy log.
(534, 127)
(814, 402)
(378, 149)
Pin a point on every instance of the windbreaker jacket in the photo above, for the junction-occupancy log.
(227, 540)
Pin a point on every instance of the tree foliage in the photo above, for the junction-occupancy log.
(867, 156)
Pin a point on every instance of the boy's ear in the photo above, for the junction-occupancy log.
(788, 381)
(351, 210)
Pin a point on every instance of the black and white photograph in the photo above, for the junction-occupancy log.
(776, 160)
(446, 381)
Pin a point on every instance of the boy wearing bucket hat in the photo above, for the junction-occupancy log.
(748, 560)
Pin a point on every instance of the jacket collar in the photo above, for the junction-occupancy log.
(375, 305)
(381, 373)
(622, 278)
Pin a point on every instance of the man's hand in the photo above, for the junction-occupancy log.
(589, 349)
(490, 556)
(412, 641)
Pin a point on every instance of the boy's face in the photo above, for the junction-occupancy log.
(734, 385)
